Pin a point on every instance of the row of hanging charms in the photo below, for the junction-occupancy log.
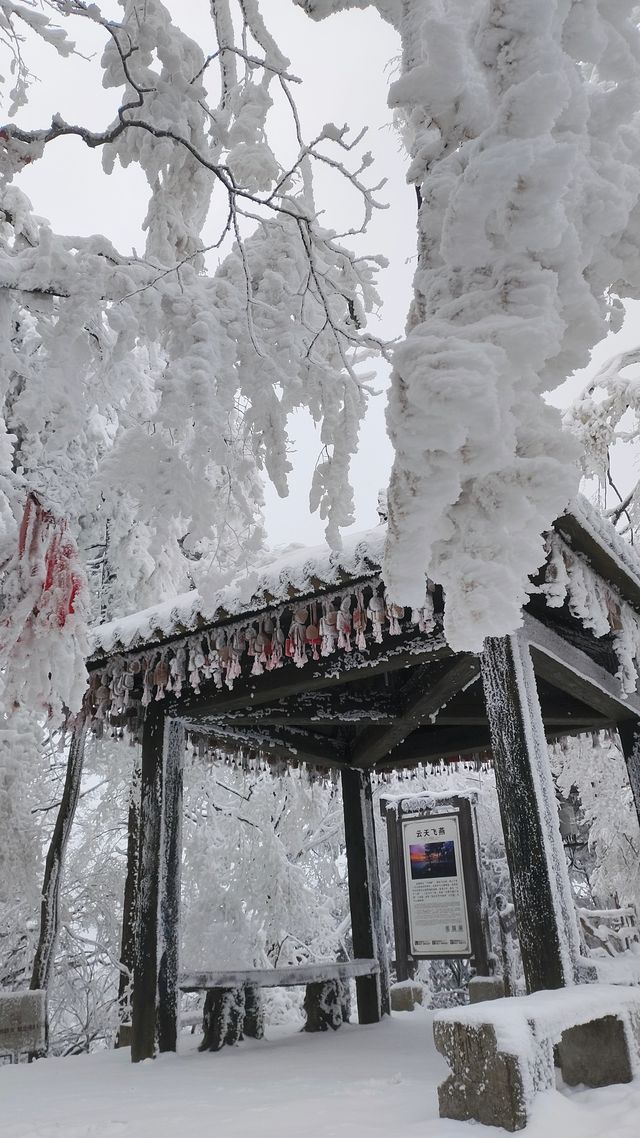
(317, 629)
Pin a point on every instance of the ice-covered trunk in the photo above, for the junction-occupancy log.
(49, 914)
(155, 991)
(129, 905)
(545, 913)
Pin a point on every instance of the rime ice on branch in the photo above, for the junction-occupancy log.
(522, 125)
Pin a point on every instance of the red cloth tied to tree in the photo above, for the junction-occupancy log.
(42, 649)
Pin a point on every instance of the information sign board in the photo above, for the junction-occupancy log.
(436, 898)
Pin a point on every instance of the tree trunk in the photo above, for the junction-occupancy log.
(129, 909)
(49, 912)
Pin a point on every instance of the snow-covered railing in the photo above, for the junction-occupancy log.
(613, 930)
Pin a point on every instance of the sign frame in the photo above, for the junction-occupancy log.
(436, 809)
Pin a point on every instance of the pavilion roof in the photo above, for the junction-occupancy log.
(305, 572)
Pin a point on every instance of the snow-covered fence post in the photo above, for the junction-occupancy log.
(365, 897)
(629, 733)
(155, 982)
(545, 913)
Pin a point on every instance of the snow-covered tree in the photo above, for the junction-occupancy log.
(521, 122)
(142, 395)
(605, 416)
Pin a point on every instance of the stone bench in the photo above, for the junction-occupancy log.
(23, 1023)
(502, 1053)
(232, 1006)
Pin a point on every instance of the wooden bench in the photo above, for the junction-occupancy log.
(502, 1053)
(23, 1023)
(232, 1006)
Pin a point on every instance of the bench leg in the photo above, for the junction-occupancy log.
(253, 1013)
(223, 1018)
(324, 1005)
(596, 1053)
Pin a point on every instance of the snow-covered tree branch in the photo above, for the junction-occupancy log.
(143, 395)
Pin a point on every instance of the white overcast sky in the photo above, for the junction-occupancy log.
(345, 63)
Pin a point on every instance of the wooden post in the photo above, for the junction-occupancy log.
(629, 733)
(545, 913)
(364, 893)
(155, 993)
(405, 967)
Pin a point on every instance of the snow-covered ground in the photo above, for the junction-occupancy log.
(359, 1083)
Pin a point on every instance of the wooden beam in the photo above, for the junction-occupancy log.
(545, 915)
(321, 708)
(365, 898)
(276, 742)
(572, 671)
(372, 744)
(335, 671)
(429, 744)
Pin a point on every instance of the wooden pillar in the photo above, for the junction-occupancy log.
(364, 893)
(629, 733)
(545, 913)
(155, 994)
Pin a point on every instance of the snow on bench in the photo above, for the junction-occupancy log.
(502, 1053)
(23, 1022)
(232, 1005)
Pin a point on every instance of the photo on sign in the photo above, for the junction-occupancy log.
(432, 859)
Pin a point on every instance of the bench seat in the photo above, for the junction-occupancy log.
(287, 977)
(232, 1005)
(502, 1053)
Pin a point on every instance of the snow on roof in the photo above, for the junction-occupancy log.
(305, 571)
(296, 572)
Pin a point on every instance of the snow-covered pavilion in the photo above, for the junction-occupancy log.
(306, 662)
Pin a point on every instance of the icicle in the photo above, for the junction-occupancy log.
(425, 617)
(278, 645)
(147, 683)
(343, 624)
(359, 622)
(328, 628)
(259, 655)
(196, 659)
(376, 614)
(178, 670)
(395, 613)
(312, 635)
(161, 676)
(296, 640)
